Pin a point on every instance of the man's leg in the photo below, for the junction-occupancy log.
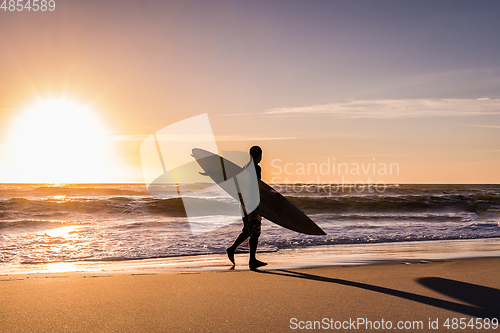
(253, 243)
(230, 250)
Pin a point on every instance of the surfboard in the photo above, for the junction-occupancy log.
(272, 206)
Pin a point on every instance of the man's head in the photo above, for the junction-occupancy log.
(256, 153)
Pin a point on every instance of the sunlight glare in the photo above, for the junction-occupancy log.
(58, 141)
(61, 232)
(59, 267)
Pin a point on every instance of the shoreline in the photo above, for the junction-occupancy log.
(299, 258)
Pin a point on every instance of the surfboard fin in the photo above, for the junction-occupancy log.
(203, 173)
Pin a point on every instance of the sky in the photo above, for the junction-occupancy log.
(415, 84)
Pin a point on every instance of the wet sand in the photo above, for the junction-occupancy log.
(242, 300)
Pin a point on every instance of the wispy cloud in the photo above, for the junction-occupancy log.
(400, 108)
(129, 137)
(373, 155)
(234, 138)
(142, 137)
(484, 126)
(248, 138)
(271, 138)
(488, 151)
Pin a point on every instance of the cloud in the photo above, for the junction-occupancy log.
(142, 137)
(484, 126)
(129, 137)
(488, 151)
(373, 155)
(248, 138)
(398, 108)
(232, 138)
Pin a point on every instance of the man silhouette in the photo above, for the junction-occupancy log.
(251, 222)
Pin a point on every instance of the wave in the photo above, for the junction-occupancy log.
(343, 207)
(117, 207)
(124, 221)
(30, 224)
(483, 226)
(71, 190)
(409, 203)
(306, 242)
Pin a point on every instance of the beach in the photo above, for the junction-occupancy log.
(249, 301)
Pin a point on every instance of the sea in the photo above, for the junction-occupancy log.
(54, 223)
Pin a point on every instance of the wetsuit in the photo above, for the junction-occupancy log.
(253, 221)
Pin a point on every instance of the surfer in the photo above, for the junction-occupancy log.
(251, 222)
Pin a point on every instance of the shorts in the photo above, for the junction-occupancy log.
(252, 224)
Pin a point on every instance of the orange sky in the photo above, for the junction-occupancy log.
(411, 84)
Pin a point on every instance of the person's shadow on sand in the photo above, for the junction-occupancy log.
(483, 297)
(485, 300)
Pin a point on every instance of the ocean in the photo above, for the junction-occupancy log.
(115, 222)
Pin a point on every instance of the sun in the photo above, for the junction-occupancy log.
(58, 141)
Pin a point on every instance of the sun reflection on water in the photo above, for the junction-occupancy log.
(58, 197)
(57, 267)
(62, 231)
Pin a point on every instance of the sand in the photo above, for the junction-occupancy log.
(246, 301)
